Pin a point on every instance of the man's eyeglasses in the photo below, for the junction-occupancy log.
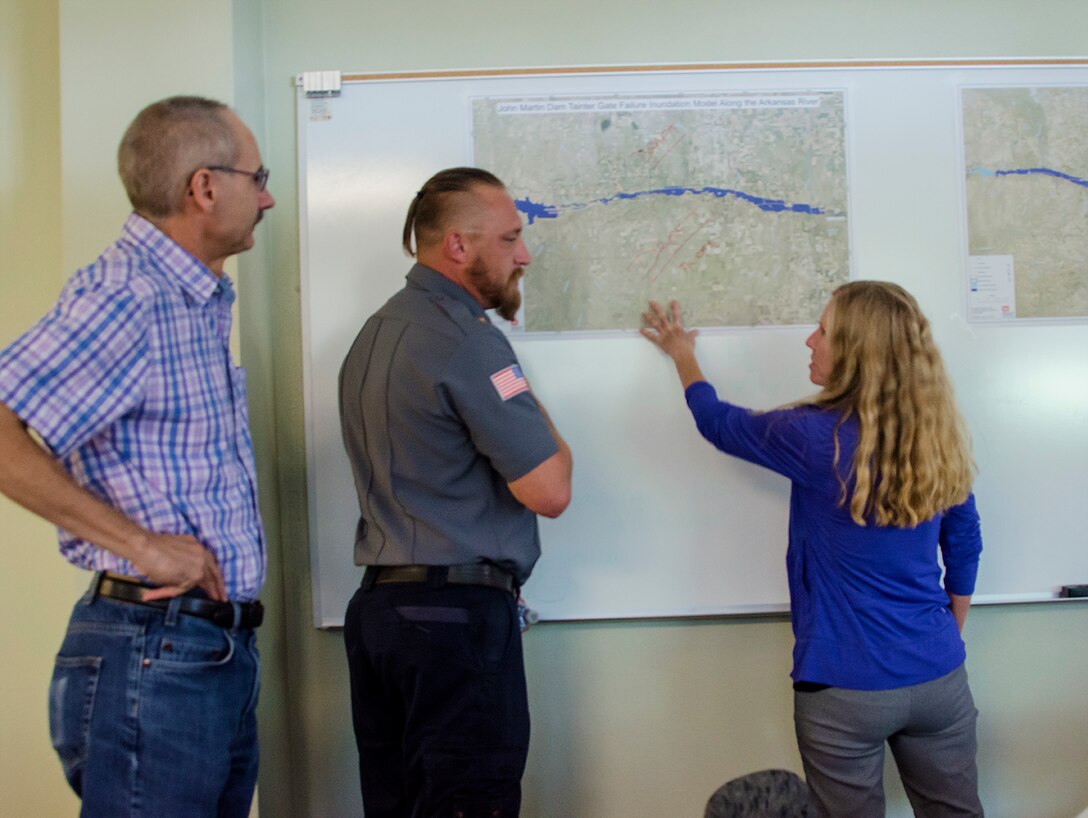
(259, 176)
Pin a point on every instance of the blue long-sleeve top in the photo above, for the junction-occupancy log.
(867, 603)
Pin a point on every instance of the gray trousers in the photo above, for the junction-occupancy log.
(930, 728)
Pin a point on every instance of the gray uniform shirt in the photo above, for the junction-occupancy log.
(436, 422)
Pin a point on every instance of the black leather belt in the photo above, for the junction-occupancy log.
(490, 576)
(224, 614)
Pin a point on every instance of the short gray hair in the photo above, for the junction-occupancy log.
(167, 142)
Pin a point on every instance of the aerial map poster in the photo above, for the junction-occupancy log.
(1026, 162)
(733, 203)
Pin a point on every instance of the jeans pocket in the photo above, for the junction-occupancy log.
(195, 648)
(71, 704)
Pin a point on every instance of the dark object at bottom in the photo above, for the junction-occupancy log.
(764, 794)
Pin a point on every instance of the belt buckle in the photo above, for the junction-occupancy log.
(231, 615)
(225, 614)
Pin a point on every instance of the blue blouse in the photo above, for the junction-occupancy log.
(868, 606)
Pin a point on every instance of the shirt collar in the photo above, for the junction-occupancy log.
(430, 279)
(175, 262)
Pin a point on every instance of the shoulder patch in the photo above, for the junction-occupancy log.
(509, 382)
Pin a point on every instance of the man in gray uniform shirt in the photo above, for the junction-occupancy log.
(453, 459)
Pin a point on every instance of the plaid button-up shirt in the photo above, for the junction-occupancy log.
(130, 382)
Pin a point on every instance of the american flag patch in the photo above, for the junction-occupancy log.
(509, 382)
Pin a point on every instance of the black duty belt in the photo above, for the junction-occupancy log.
(490, 576)
(223, 614)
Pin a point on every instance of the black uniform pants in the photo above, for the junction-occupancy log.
(438, 700)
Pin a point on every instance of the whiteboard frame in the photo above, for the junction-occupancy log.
(324, 616)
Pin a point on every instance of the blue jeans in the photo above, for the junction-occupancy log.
(438, 699)
(153, 713)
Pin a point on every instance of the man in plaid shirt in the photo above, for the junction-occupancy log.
(142, 458)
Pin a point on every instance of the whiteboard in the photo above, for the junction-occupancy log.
(660, 523)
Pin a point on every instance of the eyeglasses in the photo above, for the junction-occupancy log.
(259, 176)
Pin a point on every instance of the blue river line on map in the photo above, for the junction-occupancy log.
(1076, 180)
(537, 210)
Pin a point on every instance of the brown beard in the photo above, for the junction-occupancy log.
(505, 298)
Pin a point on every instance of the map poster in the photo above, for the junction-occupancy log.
(1026, 180)
(734, 204)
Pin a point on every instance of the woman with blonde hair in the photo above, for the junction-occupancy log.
(881, 474)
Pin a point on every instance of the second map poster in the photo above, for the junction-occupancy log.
(735, 204)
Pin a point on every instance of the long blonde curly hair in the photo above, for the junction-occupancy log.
(913, 457)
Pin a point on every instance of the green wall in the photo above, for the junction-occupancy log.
(647, 718)
(30, 232)
(629, 718)
(73, 75)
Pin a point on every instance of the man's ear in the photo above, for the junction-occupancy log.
(455, 246)
(202, 191)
